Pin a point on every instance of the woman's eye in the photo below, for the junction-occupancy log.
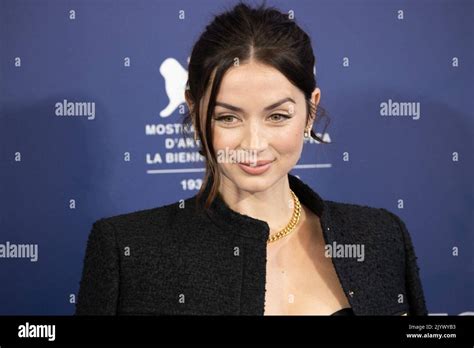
(225, 118)
(279, 117)
(230, 119)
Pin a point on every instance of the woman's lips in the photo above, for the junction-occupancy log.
(260, 167)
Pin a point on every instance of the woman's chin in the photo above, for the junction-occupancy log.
(254, 183)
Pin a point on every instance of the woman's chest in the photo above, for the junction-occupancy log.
(300, 279)
(310, 287)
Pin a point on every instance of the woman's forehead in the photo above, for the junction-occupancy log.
(249, 77)
(253, 85)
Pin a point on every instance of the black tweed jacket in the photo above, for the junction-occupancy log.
(175, 259)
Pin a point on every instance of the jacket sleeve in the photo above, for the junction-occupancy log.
(99, 285)
(414, 288)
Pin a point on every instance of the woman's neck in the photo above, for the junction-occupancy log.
(273, 205)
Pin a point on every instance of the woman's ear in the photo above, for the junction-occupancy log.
(316, 96)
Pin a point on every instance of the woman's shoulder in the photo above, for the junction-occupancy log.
(364, 222)
(360, 213)
(150, 220)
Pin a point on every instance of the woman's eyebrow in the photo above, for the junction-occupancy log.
(267, 108)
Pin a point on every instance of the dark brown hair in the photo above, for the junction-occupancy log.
(263, 34)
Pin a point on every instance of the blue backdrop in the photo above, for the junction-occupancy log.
(396, 79)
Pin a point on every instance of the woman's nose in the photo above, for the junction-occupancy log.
(254, 137)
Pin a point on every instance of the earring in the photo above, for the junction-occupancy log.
(306, 134)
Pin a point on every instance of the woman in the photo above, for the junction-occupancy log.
(255, 240)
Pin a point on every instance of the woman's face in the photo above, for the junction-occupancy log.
(259, 116)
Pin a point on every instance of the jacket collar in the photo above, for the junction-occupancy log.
(258, 230)
(222, 215)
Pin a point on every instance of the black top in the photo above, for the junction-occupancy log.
(176, 259)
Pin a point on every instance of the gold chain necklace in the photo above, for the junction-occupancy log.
(293, 222)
